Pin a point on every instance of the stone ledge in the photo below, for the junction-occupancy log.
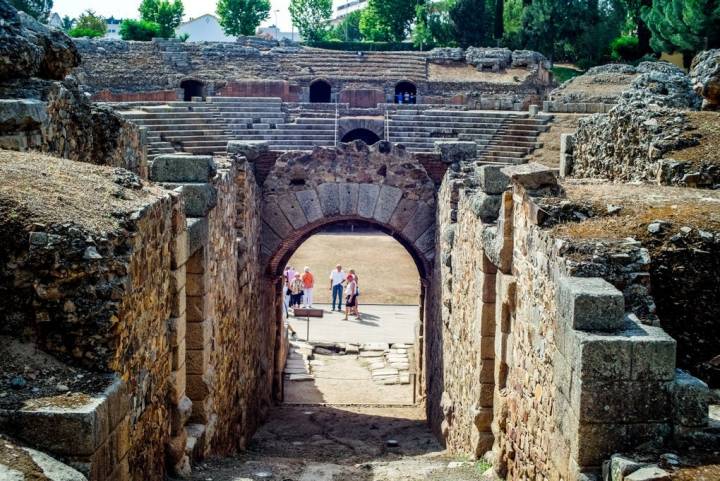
(590, 304)
(182, 168)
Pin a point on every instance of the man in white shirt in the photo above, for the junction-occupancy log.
(337, 277)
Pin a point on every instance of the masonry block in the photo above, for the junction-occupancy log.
(198, 361)
(456, 151)
(294, 213)
(388, 200)
(198, 231)
(348, 198)
(531, 176)
(178, 384)
(690, 400)
(486, 207)
(199, 198)
(589, 304)
(423, 218)
(310, 204)
(404, 211)
(491, 179)
(250, 149)
(198, 334)
(367, 199)
(179, 250)
(653, 353)
(178, 303)
(329, 194)
(196, 284)
(178, 278)
(177, 328)
(182, 168)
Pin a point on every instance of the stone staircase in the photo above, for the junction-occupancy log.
(314, 63)
(176, 127)
(501, 136)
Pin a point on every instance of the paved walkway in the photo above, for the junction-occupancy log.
(377, 323)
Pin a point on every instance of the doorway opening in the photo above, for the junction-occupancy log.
(367, 136)
(405, 93)
(320, 91)
(191, 88)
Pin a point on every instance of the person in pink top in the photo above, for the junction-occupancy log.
(350, 295)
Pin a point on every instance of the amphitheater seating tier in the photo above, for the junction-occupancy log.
(206, 127)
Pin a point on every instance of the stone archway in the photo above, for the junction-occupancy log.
(320, 91)
(365, 135)
(383, 185)
(192, 88)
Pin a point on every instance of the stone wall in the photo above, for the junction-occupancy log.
(522, 354)
(41, 109)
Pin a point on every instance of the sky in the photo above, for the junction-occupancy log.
(129, 9)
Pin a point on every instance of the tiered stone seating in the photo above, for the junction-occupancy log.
(258, 118)
(501, 136)
(190, 127)
(317, 63)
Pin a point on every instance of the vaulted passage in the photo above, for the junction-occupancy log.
(320, 91)
(367, 136)
(191, 88)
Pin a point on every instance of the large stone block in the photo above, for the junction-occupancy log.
(348, 198)
(250, 149)
(456, 151)
(486, 206)
(290, 206)
(590, 304)
(329, 194)
(199, 198)
(491, 179)
(198, 230)
(403, 213)
(367, 199)
(182, 168)
(531, 176)
(690, 399)
(198, 334)
(310, 204)
(423, 218)
(653, 353)
(387, 201)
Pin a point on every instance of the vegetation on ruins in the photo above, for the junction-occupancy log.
(311, 17)
(685, 26)
(166, 14)
(139, 30)
(242, 17)
(39, 9)
(348, 29)
(89, 25)
(387, 20)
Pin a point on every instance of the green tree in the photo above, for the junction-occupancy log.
(371, 26)
(39, 9)
(140, 30)
(242, 17)
(433, 26)
(166, 14)
(67, 23)
(89, 24)
(686, 26)
(393, 17)
(348, 30)
(470, 21)
(311, 17)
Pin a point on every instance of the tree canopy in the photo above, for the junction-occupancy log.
(311, 17)
(242, 17)
(39, 9)
(165, 13)
(88, 24)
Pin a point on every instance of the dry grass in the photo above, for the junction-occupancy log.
(53, 190)
(707, 126)
(387, 273)
(549, 154)
(641, 205)
(468, 73)
(600, 85)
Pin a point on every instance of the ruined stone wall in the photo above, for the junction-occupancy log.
(574, 377)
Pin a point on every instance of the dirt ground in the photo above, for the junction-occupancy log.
(549, 154)
(468, 73)
(324, 443)
(387, 273)
(706, 125)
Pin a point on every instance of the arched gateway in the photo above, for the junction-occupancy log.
(381, 185)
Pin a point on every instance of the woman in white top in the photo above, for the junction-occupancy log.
(350, 295)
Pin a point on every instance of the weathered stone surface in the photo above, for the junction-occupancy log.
(329, 194)
(446, 54)
(492, 180)
(493, 58)
(455, 151)
(182, 168)
(705, 78)
(531, 176)
(486, 206)
(387, 201)
(310, 204)
(348, 198)
(650, 473)
(199, 198)
(22, 113)
(690, 398)
(590, 304)
(250, 149)
(367, 199)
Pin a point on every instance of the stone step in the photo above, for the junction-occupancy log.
(221, 100)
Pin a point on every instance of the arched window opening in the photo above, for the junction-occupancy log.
(367, 136)
(405, 93)
(320, 91)
(191, 88)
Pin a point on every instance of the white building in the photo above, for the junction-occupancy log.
(205, 28)
(113, 28)
(276, 34)
(341, 8)
(55, 21)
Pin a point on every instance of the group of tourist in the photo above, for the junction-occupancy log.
(298, 289)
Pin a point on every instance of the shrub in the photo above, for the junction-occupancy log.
(365, 46)
(625, 49)
(141, 30)
(80, 32)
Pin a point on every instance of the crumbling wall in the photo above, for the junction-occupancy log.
(42, 109)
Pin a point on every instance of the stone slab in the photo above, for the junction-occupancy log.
(294, 213)
(348, 198)
(404, 211)
(423, 218)
(182, 168)
(273, 215)
(367, 199)
(590, 304)
(492, 180)
(310, 204)
(329, 194)
(387, 201)
(199, 197)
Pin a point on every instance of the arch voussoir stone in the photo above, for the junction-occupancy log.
(380, 185)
